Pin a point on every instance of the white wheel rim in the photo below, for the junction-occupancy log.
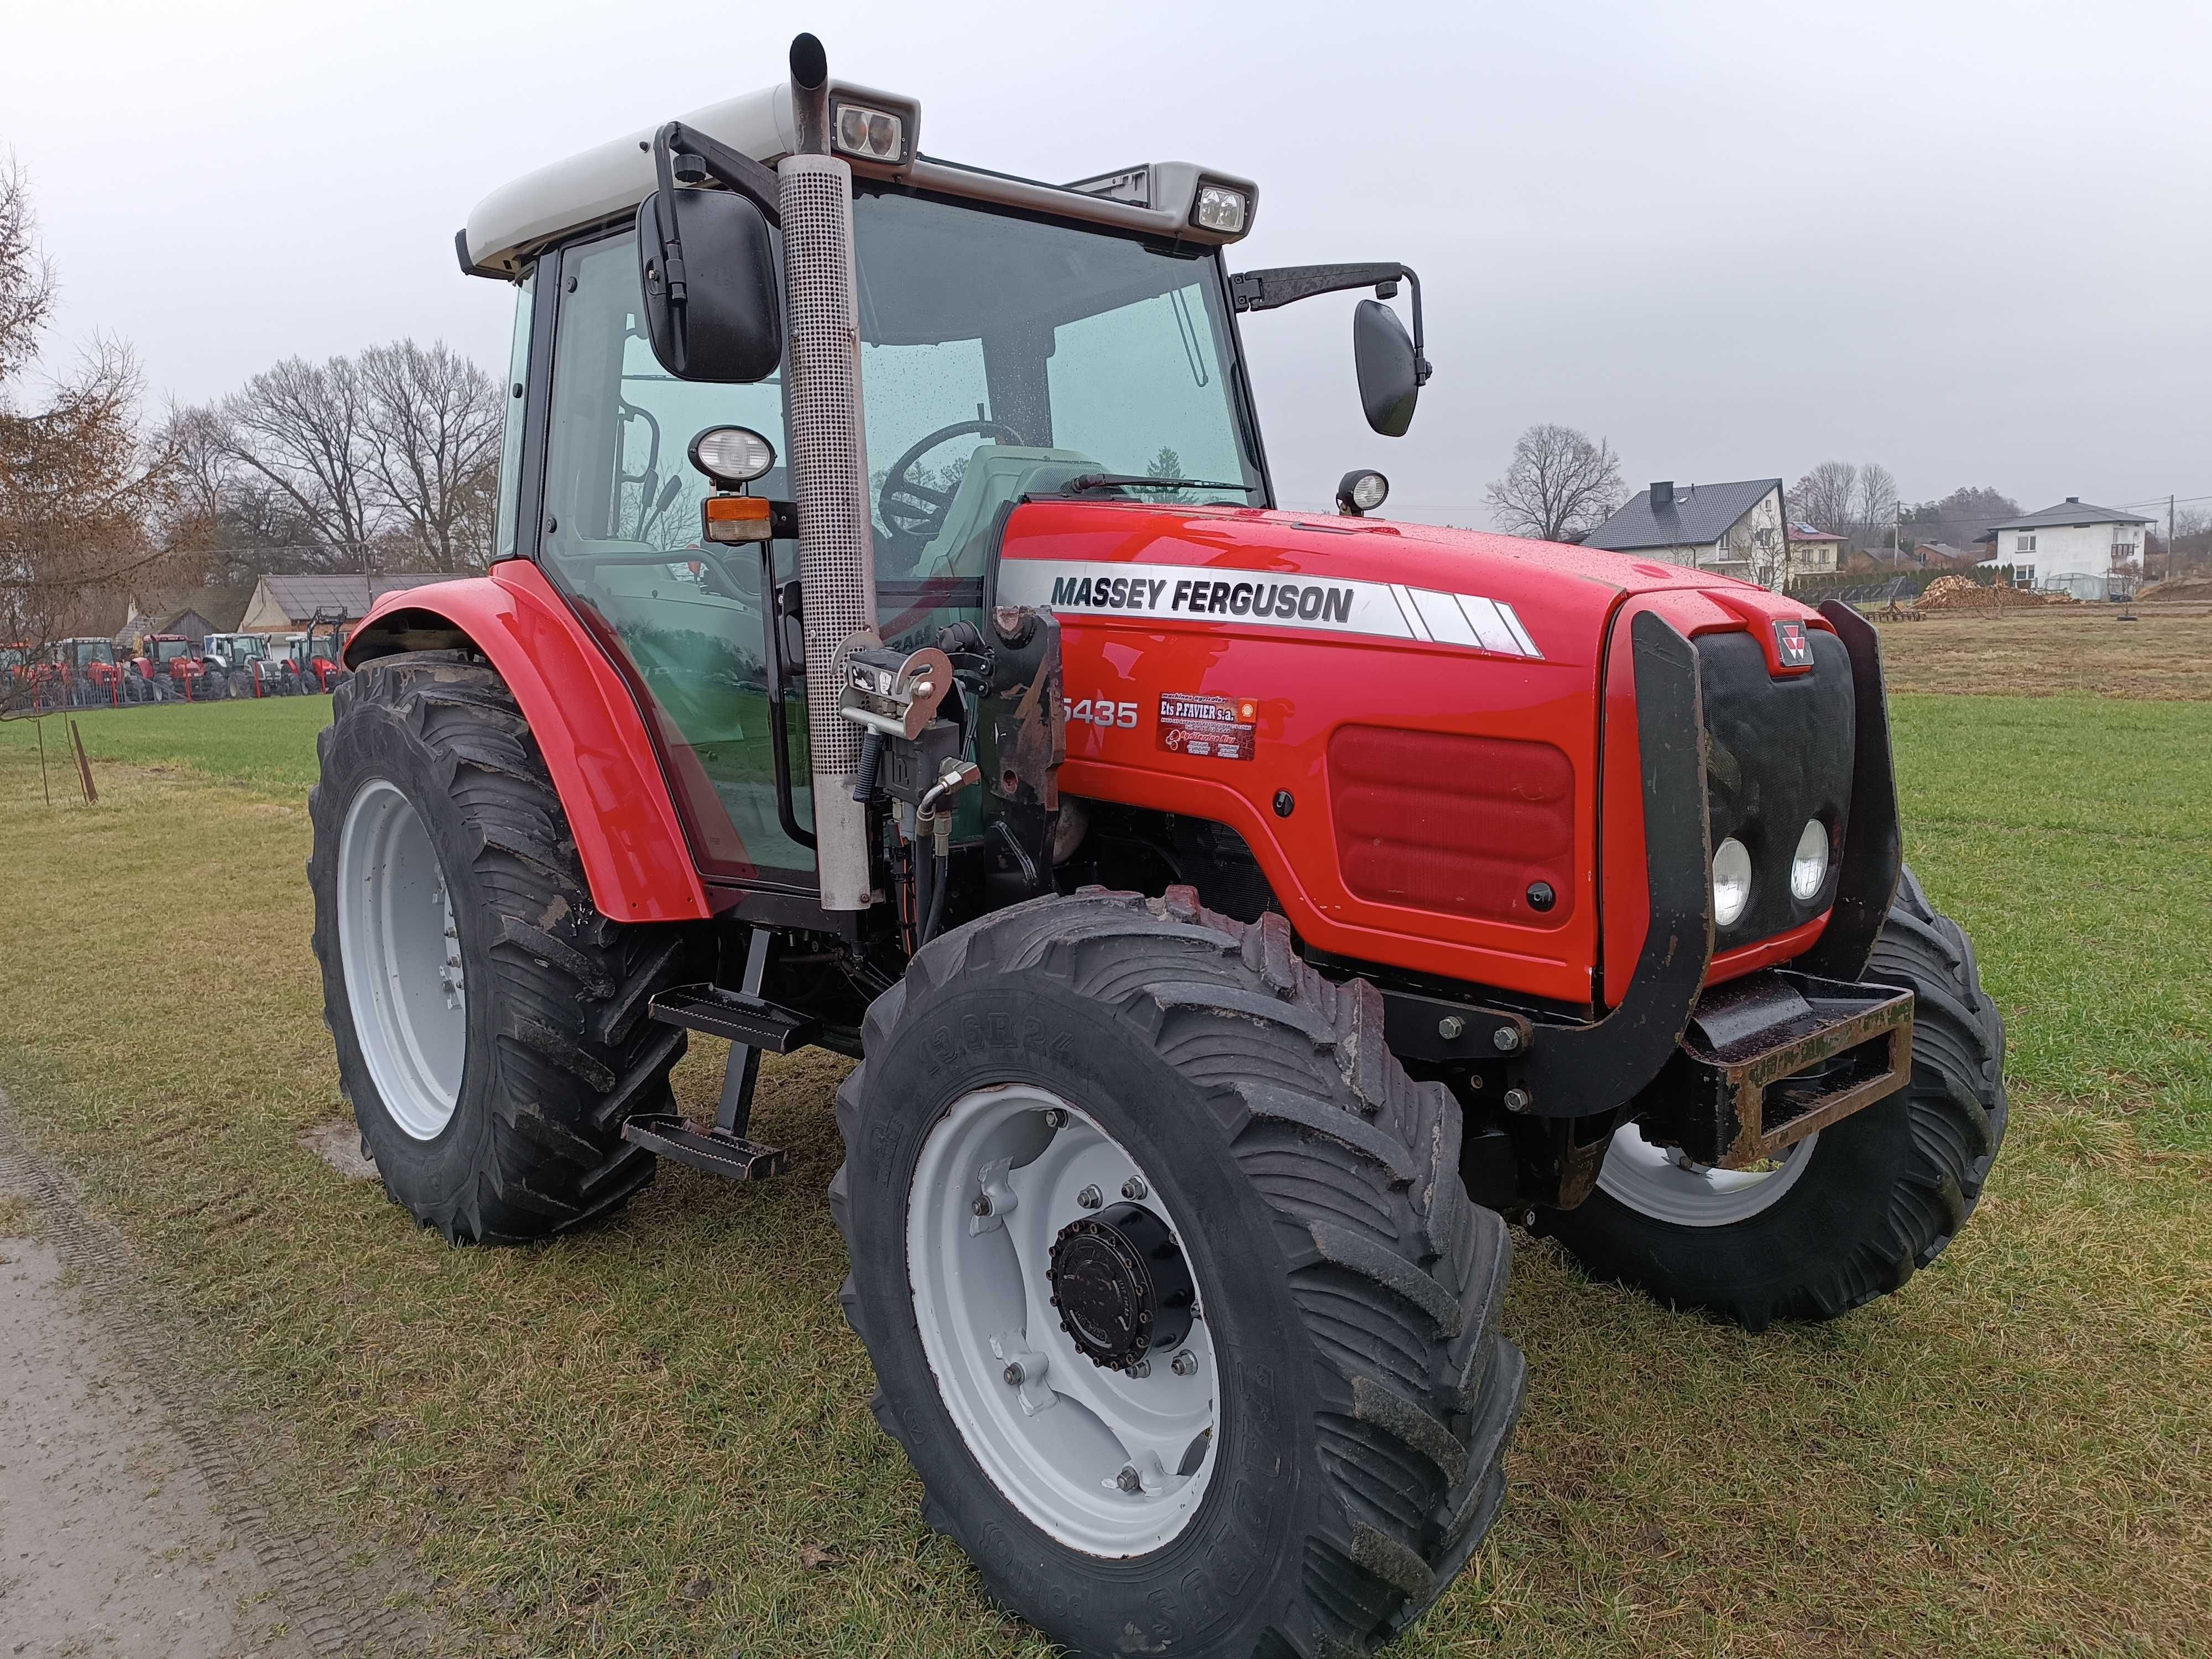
(1058, 1444)
(1659, 1182)
(401, 951)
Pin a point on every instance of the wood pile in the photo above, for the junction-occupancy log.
(1961, 593)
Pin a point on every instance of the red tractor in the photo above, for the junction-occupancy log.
(1237, 913)
(183, 671)
(95, 677)
(312, 659)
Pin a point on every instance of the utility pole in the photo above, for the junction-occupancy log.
(2169, 543)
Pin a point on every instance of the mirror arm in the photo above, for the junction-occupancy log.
(708, 158)
(1283, 285)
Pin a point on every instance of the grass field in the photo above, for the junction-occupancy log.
(655, 1439)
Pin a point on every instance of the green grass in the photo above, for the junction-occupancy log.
(654, 1438)
(267, 744)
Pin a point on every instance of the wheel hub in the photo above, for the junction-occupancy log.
(1120, 1286)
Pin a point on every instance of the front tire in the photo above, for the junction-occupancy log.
(1351, 1394)
(1848, 1214)
(491, 1026)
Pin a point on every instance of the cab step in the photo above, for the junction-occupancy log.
(745, 1018)
(715, 1151)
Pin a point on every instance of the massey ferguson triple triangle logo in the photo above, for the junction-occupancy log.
(1385, 610)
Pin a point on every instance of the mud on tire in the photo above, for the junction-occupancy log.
(1884, 1192)
(1350, 1287)
(559, 1049)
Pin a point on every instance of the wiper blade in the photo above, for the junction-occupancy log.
(1088, 481)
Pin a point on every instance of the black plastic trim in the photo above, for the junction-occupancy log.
(1581, 1071)
(1873, 842)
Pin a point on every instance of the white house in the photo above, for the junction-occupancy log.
(2073, 546)
(1736, 528)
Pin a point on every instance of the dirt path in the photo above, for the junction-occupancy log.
(110, 1541)
(131, 1522)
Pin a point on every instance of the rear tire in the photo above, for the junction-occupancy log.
(1851, 1213)
(499, 1118)
(1363, 1396)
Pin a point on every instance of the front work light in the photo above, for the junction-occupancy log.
(1808, 866)
(873, 135)
(1731, 881)
(732, 455)
(1361, 492)
(1220, 209)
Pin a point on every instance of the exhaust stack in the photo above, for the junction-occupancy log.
(829, 468)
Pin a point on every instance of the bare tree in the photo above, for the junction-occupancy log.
(1874, 504)
(27, 278)
(1558, 487)
(303, 429)
(77, 486)
(433, 421)
(1825, 498)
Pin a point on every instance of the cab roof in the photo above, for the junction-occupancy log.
(507, 229)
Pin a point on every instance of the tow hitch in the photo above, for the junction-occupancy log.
(1770, 1058)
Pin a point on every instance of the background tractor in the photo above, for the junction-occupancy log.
(182, 672)
(1237, 913)
(313, 659)
(248, 667)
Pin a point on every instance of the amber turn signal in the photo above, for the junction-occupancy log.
(736, 518)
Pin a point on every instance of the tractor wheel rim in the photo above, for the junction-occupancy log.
(400, 948)
(1659, 1182)
(1105, 1460)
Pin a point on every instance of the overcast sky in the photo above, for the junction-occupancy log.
(1971, 241)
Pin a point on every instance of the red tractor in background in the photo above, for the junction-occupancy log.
(173, 661)
(313, 659)
(97, 678)
(1237, 913)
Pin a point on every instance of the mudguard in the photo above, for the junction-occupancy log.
(584, 716)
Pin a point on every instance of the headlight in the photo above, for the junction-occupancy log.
(732, 455)
(1731, 882)
(873, 135)
(1809, 865)
(1220, 208)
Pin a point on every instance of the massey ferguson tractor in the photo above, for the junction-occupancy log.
(894, 646)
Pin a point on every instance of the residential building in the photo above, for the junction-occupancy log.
(1735, 529)
(1814, 552)
(2072, 540)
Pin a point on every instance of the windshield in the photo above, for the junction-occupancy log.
(169, 650)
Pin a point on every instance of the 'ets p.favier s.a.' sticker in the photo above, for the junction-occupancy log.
(1212, 728)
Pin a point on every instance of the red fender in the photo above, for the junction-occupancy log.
(592, 736)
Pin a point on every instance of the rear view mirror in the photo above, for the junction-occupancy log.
(713, 294)
(1388, 367)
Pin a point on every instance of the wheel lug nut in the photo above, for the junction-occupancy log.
(1185, 1363)
(1090, 1198)
(1015, 1375)
(1128, 1480)
(1141, 1368)
(1133, 1187)
(981, 1206)
(1054, 1118)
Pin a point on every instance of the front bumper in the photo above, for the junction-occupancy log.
(1771, 1058)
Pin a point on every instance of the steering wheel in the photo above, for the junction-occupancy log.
(911, 510)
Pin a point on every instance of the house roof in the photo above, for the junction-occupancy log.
(2071, 511)
(1701, 512)
(158, 607)
(300, 597)
(1806, 532)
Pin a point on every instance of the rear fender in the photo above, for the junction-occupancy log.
(590, 731)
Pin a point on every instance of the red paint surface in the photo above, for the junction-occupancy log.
(1308, 687)
(588, 726)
